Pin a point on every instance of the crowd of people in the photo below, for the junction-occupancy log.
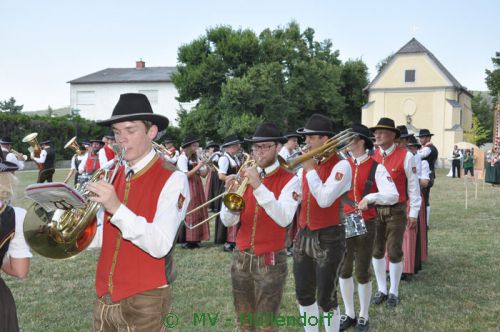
(355, 203)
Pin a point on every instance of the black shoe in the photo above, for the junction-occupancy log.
(379, 298)
(392, 300)
(346, 322)
(362, 325)
(228, 247)
(289, 252)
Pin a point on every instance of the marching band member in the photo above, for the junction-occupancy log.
(320, 248)
(391, 224)
(229, 164)
(291, 146)
(134, 271)
(76, 160)
(14, 251)
(430, 153)
(106, 153)
(47, 160)
(91, 162)
(6, 144)
(172, 153)
(212, 183)
(259, 267)
(371, 184)
(194, 168)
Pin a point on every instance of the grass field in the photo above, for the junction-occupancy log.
(457, 290)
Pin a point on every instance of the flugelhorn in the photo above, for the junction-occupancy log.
(73, 145)
(334, 144)
(233, 201)
(32, 141)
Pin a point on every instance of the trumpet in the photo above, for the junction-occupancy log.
(19, 155)
(73, 145)
(334, 144)
(233, 201)
(209, 162)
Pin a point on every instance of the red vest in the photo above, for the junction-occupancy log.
(92, 163)
(360, 175)
(395, 165)
(257, 230)
(110, 154)
(311, 214)
(123, 269)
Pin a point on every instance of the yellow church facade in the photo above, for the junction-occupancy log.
(416, 90)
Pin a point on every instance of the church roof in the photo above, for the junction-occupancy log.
(414, 47)
(128, 75)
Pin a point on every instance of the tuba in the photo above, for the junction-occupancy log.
(64, 233)
(73, 145)
(32, 141)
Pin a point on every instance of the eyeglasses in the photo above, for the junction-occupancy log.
(263, 148)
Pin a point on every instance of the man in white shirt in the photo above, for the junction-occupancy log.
(134, 271)
(259, 268)
(290, 148)
(47, 161)
(6, 144)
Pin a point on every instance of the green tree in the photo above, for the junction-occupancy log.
(284, 75)
(483, 113)
(10, 106)
(382, 63)
(478, 134)
(493, 76)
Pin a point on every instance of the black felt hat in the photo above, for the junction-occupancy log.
(231, 140)
(387, 124)
(424, 133)
(5, 140)
(135, 106)
(291, 134)
(412, 141)
(213, 144)
(404, 132)
(317, 125)
(97, 141)
(190, 139)
(168, 140)
(267, 132)
(363, 133)
(46, 142)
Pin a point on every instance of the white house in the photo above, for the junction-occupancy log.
(96, 94)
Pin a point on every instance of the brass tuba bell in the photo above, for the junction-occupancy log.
(73, 145)
(32, 141)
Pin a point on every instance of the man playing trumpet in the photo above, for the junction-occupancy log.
(259, 267)
(11, 155)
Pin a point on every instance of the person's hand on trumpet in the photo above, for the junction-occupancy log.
(253, 176)
(230, 183)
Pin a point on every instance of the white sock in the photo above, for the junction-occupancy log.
(334, 322)
(428, 214)
(365, 294)
(395, 272)
(379, 270)
(347, 291)
(310, 310)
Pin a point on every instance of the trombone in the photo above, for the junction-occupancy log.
(336, 143)
(233, 201)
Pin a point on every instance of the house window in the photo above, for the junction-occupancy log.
(85, 97)
(409, 75)
(151, 94)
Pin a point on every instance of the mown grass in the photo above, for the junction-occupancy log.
(457, 290)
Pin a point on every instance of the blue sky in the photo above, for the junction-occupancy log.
(47, 43)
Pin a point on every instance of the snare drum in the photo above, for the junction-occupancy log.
(354, 225)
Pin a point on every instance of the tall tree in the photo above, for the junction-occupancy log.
(493, 76)
(382, 63)
(10, 106)
(284, 75)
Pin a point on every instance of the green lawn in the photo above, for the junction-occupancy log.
(457, 290)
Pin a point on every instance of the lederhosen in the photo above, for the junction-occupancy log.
(8, 315)
(47, 171)
(77, 164)
(431, 159)
(223, 233)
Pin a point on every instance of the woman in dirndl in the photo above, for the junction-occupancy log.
(14, 252)
(191, 235)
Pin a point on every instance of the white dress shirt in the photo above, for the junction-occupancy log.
(285, 153)
(413, 186)
(18, 248)
(387, 192)
(103, 163)
(9, 156)
(173, 158)
(155, 238)
(425, 170)
(424, 151)
(326, 193)
(224, 161)
(280, 210)
(43, 156)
